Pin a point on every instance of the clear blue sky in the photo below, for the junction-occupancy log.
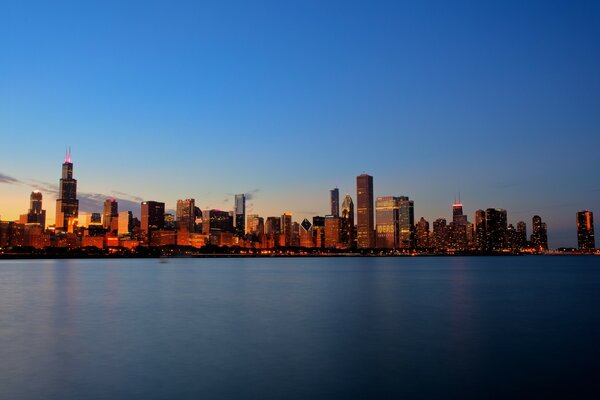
(167, 100)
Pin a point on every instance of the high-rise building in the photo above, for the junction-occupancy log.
(240, 214)
(273, 226)
(333, 231)
(335, 202)
(318, 228)
(125, 223)
(255, 225)
(186, 215)
(539, 234)
(67, 205)
(306, 234)
(36, 215)
(480, 231)
(406, 222)
(387, 211)
(216, 222)
(440, 234)
(364, 212)
(153, 218)
(521, 235)
(422, 234)
(286, 228)
(495, 226)
(457, 214)
(347, 221)
(111, 210)
(585, 230)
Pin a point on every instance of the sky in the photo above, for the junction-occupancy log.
(284, 100)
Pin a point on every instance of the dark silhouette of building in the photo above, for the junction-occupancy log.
(36, 215)
(539, 234)
(521, 235)
(480, 231)
(585, 230)
(495, 226)
(364, 212)
(335, 202)
(240, 214)
(67, 205)
(423, 236)
(440, 234)
(153, 218)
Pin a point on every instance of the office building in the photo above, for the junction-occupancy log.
(111, 211)
(67, 205)
(495, 225)
(240, 214)
(335, 202)
(365, 218)
(36, 215)
(347, 222)
(153, 218)
(585, 231)
(186, 215)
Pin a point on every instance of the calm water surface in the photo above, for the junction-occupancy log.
(293, 328)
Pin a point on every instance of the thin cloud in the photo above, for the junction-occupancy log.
(8, 179)
(127, 196)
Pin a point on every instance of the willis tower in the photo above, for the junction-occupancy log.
(67, 205)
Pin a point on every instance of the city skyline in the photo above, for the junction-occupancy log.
(283, 102)
(391, 219)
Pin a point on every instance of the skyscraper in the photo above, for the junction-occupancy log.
(364, 216)
(521, 235)
(422, 234)
(153, 218)
(332, 231)
(440, 234)
(406, 222)
(347, 221)
(111, 210)
(335, 202)
(480, 231)
(240, 214)
(36, 215)
(125, 225)
(67, 205)
(585, 230)
(286, 228)
(495, 225)
(186, 215)
(539, 234)
(387, 210)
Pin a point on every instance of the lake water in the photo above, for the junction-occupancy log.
(300, 328)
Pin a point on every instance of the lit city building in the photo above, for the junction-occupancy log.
(539, 234)
(186, 215)
(240, 214)
(365, 219)
(36, 215)
(347, 221)
(67, 205)
(585, 231)
(387, 222)
(111, 211)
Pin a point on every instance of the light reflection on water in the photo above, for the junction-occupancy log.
(299, 328)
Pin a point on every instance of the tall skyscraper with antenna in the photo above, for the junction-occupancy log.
(67, 205)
